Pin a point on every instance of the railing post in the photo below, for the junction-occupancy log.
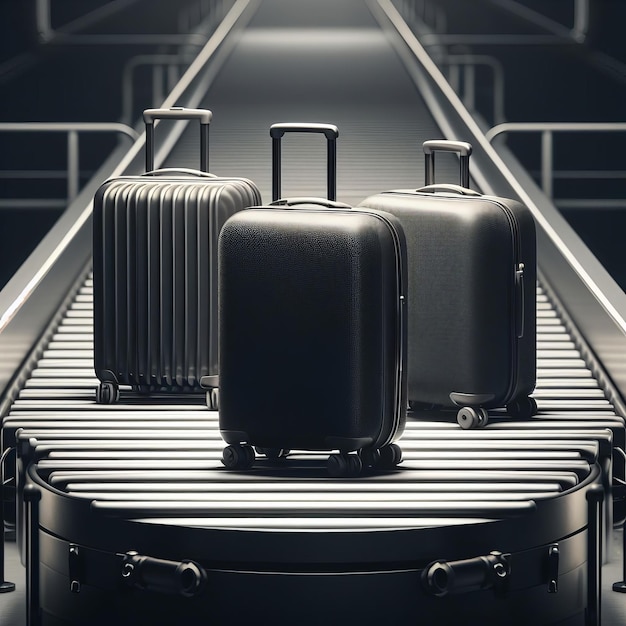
(5, 585)
(73, 171)
(32, 496)
(157, 84)
(581, 19)
(469, 86)
(595, 498)
(44, 25)
(546, 162)
(454, 77)
(498, 92)
(172, 76)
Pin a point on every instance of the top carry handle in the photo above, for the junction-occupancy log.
(178, 113)
(332, 132)
(464, 150)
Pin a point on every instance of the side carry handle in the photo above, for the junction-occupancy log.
(463, 149)
(329, 130)
(204, 116)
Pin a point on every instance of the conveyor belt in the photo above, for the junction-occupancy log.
(158, 463)
(145, 474)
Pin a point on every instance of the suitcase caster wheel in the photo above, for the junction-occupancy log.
(370, 457)
(344, 465)
(213, 399)
(523, 408)
(468, 417)
(238, 457)
(107, 393)
(389, 456)
(274, 453)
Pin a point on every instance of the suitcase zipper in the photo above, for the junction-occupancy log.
(401, 313)
(518, 291)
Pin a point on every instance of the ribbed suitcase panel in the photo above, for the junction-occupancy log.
(156, 322)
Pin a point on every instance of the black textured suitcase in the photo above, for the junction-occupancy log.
(155, 270)
(312, 332)
(472, 280)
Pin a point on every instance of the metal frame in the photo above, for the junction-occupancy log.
(428, 12)
(580, 25)
(43, 20)
(159, 62)
(435, 16)
(166, 67)
(38, 292)
(64, 34)
(595, 302)
(468, 62)
(547, 130)
(72, 130)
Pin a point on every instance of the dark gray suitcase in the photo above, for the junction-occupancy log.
(312, 332)
(472, 282)
(155, 270)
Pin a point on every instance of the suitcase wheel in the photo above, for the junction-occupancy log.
(389, 456)
(524, 407)
(213, 399)
(344, 465)
(471, 417)
(238, 457)
(107, 393)
(370, 457)
(273, 453)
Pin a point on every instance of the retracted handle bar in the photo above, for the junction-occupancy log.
(178, 113)
(462, 148)
(329, 130)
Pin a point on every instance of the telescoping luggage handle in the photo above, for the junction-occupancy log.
(178, 113)
(463, 149)
(329, 130)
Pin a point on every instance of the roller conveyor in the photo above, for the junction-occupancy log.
(145, 474)
(158, 462)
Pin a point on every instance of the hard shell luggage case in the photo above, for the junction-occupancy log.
(312, 331)
(472, 281)
(155, 270)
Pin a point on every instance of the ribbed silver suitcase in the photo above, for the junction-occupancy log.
(155, 270)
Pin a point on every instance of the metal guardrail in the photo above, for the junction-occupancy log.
(427, 11)
(38, 293)
(580, 21)
(547, 130)
(43, 17)
(436, 19)
(72, 129)
(594, 301)
(467, 86)
(165, 74)
(168, 67)
(188, 19)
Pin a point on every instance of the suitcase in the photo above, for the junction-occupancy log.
(312, 330)
(155, 270)
(471, 290)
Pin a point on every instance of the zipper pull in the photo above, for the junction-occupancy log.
(519, 300)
